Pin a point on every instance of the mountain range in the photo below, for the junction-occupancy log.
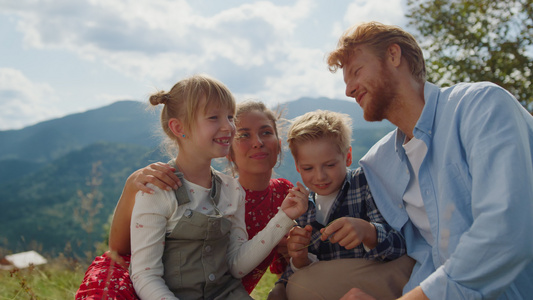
(60, 179)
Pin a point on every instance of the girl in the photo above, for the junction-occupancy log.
(192, 242)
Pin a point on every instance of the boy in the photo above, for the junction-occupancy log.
(342, 231)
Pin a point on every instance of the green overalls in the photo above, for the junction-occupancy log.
(195, 252)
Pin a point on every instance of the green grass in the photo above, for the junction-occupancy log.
(56, 280)
(264, 286)
(61, 278)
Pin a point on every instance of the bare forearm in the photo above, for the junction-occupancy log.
(160, 175)
(371, 237)
(301, 262)
(119, 235)
(415, 294)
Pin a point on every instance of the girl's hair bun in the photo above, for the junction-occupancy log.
(159, 98)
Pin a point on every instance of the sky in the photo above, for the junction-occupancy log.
(59, 57)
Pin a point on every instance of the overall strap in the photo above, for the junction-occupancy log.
(216, 183)
(181, 192)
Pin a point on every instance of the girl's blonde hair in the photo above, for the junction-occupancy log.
(320, 124)
(182, 101)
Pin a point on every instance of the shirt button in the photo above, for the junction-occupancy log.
(400, 206)
(208, 249)
(212, 277)
(188, 213)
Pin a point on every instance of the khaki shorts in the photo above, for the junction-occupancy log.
(332, 279)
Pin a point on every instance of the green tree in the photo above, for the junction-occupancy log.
(477, 40)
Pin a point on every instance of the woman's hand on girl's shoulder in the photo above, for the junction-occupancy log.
(159, 174)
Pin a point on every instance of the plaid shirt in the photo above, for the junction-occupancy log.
(353, 200)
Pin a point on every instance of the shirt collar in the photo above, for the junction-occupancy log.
(424, 126)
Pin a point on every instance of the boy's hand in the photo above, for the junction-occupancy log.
(297, 243)
(159, 174)
(295, 204)
(350, 233)
(282, 249)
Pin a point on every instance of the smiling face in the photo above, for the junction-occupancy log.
(370, 82)
(321, 165)
(256, 146)
(213, 131)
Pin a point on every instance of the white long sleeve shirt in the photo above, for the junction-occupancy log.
(155, 215)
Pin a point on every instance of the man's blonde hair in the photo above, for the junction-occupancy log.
(378, 37)
(320, 124)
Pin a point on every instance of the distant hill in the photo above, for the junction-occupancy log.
(39, 209)
(303, 105)
(129, 122)
(45, 168)
(122, 122)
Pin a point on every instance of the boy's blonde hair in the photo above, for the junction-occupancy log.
(182, 101)
(378, 37)
(320, 124)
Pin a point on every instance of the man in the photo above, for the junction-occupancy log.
(455, 177)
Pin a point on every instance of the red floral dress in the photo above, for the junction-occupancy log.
(107, 279)
(261, 206)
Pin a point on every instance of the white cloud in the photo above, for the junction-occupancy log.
(281, 18)
(159, 39)
(269, 50)
(384, 11)
(21, 99)
(305, 73)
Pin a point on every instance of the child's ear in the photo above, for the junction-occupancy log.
(349, 157)
(296, 164)
(176, 127)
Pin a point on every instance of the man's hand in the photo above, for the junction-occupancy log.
(357, 294)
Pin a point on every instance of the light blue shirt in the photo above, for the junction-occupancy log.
(476, 182)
